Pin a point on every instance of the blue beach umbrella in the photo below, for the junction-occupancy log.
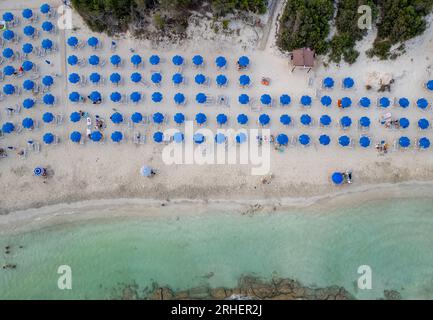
(201, 98)
(115, 96)
(429, 84)
(422, 103)
(115, 78)
(8, 17)
(136, 77)
(154, 60)
(244, 99)
(178, 137)
(220, 62)
(27, 13)
(158, 117)
(47, 117)
(28, 123)
(179, 98)
(177, 78)
(135, 96)
(28, 85)
(220, 138)
(345, 122)
(45, 8)
(177, 60)
(326, 101)
(8, 53)
(364, 102)
(28, 103)
(72, 60)
(404, 123)
(179, 118)
(244, 61)
(47, 44)
(285, 99)
(324, 140)
(200, 78)
(337, 178)
(384, 102)
(285, 119)
(244, 80)
(115, 60)
(75, 116)
(364, 122)
(266, 99)
(8, 127)
(241, 138)
(116, 136)
(404, 142)
(346, 102)
(27, 48)
(8, 70)
(197, 60)
(348, 83)
(424, 143)
(242, 119)
(344, 141)
(264, 119)
(48, 138)
(47, 26)
(95, 77)
(93, 60)
(95, 96)
(8, 35)
(96, 136)
(221, 80)
(328, 82)
(116, 118)
(325, 120)
(29, 31)
(364, 141)
(8, 89)
(74, 96)
(156, 77)
(158, 137)
(403, 102)
(306, 120)
(282, 139)
(200, 118)
(75, 136)
(27, 65)
(423, 123)
(92, 42)
(306, 100)
(221, 119)
(157, 97)
(72, 41)
(48, 81)
(198, 138)
(74, 78)
(304, 139)
(136, 117)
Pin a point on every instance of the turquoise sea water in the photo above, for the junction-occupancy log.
(395, 238)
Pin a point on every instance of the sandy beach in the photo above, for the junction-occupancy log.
(110, 171)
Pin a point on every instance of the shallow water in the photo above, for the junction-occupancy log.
(317, 248)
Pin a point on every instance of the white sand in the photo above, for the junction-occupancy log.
(108, 170)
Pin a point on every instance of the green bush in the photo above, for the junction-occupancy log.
(305, 23)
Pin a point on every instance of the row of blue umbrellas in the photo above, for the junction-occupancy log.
(329, 82)
(27, 13)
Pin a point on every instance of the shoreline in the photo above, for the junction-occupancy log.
(64, 213)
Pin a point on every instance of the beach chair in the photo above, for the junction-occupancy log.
(223, 100)
(2, 76)
(143, 139)
(59, 119)
(2, 135)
